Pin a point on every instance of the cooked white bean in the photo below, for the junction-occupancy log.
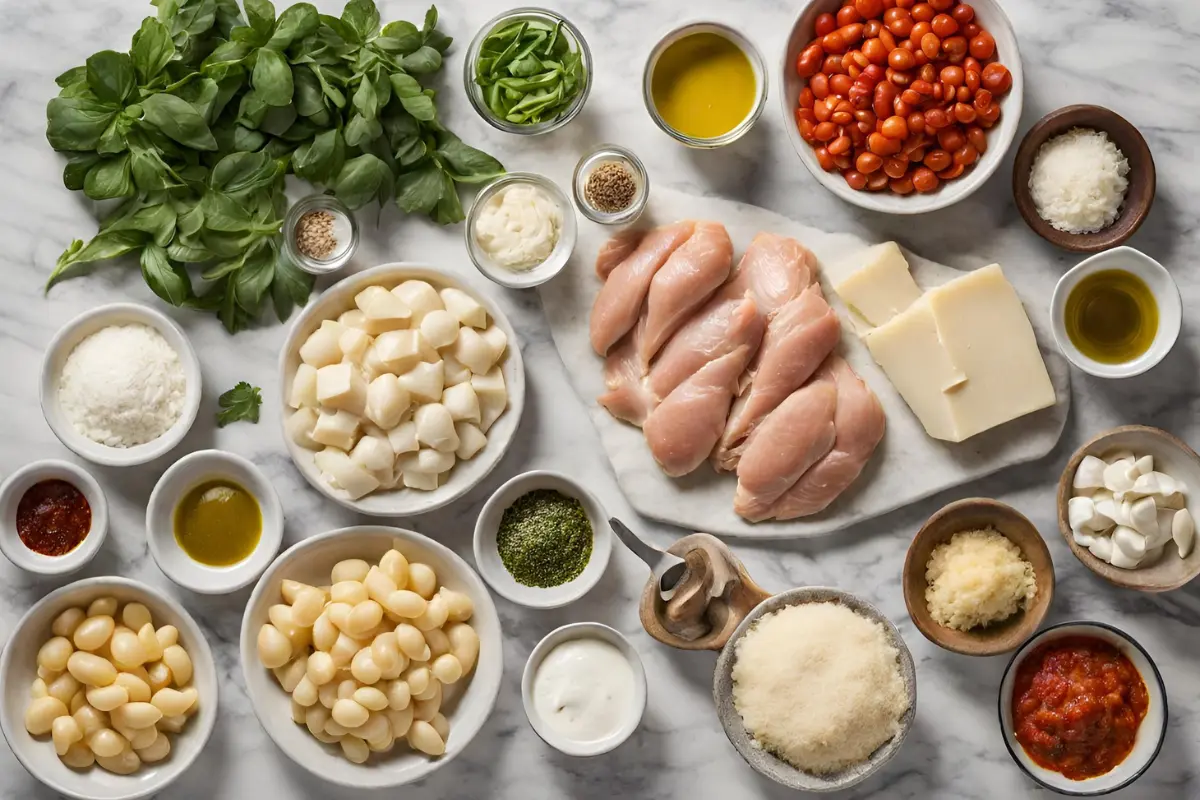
(315, 718)
(324, 633)
(346, 688)
(307, 607)
(379, 585)
(299, 638)
(355, 749)
(418, 679)
(160, 676)
(352, 569)
(126, 762)
(78, 701)
(172, 702)
(180, 663)
(435, 614)
(103, 607)
(290, 673)
(54, 653)
(446, 668)
(363, 617)
(323, 736)
(167, 635)
(106, 743)
(335, 729)
(320, 668)
(441, 725)
(459, 606)
(327, 694)
(422, 579)
(136, 715)
(41, 713)
(432, 688)
(63, 687)
(48, 676)
(137, 689)
(426, 709)
(127, 650)
(363, 667)
(394, 670)
(344, 649)
(38, 689)
(398, 694)
(410, 640)
(305, 693)
(151, 647)
(79, 756)
(400, 719)
(349, 592)
(395, 566)
(274, 649)
(424, 737)
(405, 604)
(291, 589)
(65, 731)
(93, 633)
(464, 644)
(141, 739)
(383, 744)
(349, 713)
(370, 698)
(385, 651)
(66, 622)
(135, 615)
(438, 641)
(158, 749)
(281, 616)
(172, 724)
(107, 698)
(339, 614)
(91, 670)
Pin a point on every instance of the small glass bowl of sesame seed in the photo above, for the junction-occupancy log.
(611, 185)
(320, 234)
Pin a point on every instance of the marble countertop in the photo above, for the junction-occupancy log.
(1134, 56)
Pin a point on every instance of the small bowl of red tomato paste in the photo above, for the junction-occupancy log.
(1083, 709)
(53, 517)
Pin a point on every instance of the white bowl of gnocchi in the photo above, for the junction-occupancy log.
(402, 388)
(109, 690)
(372, 655)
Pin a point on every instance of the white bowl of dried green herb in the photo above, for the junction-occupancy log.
(542, 540)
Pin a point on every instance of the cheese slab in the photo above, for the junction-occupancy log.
(882, 288)
(908, 466)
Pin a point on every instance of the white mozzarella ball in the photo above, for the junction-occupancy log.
(473, 351)
(373, 454)
(440, 328)
(435, 427)
(387, 401)
(461, 401)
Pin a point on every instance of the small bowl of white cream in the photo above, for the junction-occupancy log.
(521, 230)
(584, 689)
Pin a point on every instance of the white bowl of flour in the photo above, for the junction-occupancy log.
(120, 385)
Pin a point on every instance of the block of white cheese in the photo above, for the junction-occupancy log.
(882, 288)
(964, 357)
(987, 334)
(917, 363)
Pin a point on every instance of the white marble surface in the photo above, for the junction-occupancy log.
(1135, 56)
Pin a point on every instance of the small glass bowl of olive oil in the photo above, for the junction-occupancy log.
(1117, 314)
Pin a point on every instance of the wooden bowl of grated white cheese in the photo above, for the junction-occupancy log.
(120, 385)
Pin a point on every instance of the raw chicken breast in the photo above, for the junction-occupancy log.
(681, 432)
(797, 340)
(616, 250)
(684, 283)
(628, 397)
(774, 269)
(791, 439)
(860, 424)
(720, 327)
(619, 302)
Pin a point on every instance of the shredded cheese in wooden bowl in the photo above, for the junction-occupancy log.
(977, 578)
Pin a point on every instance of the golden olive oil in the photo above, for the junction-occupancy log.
(703, 85)
(1111, 316)
(218, 523)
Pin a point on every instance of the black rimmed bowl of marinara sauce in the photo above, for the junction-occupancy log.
(53, 517)
(1083, 709)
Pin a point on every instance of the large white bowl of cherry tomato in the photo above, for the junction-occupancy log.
(902, 106)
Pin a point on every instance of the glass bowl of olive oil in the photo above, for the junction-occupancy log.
(214, 522)
(1116, 314)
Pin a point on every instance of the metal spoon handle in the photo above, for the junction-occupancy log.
(651, 555)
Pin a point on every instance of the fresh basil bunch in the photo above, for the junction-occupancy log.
(196, 126)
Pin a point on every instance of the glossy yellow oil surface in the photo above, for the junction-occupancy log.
(703, 85)
(218, 523)
(1111, 316)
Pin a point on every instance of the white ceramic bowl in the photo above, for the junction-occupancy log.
(1166, 296)
(991, 16)
(79, 329)
(310, 561)
(15, 486)
(1150, 734)
(559, 256)
(584, 630)
(487, 557)
(18, 669)
(466, 474)
(186, 473)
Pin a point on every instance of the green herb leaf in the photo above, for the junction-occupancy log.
(251, 282)
(73, 76)
(109, 179)
(422, 62)
(295, 23)
(361, 130)
(449, 208)
(110, 75)
(178, 119)
(400, 38)
(419, 189)
(321, 159)
(241, 403)
(238, 173)
(113, 139)
(363, 18)
(362, 180)
(421, 106)
(152, 50)
(431, 20)
(261, 16)
(308, 96)
(103, 246)
(290, 288)
(77, 168)
(464, 163)
(272, 78)
(77, 123)
(168, 281)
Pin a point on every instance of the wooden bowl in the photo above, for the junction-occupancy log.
(1138, 198)
(974, 514)
(1172, 456)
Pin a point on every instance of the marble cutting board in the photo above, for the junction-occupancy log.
(907, 466)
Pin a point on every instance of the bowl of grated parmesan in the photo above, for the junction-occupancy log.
(120, 385)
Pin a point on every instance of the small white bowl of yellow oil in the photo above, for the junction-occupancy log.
(705, 84)
(214, 522)
(1116, 314)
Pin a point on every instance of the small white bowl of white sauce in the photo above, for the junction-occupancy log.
(584, 689)
(521, 230)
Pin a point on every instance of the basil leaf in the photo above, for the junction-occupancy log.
(226, 55)
(109, 179)
(223, 213)
(261, 16)
(295, 23)
(321, 159)
(232, 316)
(411, 151)
(309, 98)
(419, 189)
(243, 172)
(290, 288)
(332, 92)
(365, 99)
(422, 62)
(202, 94)
(72, 76)
(278, 119)
(431, 20)
(363, 18)
(361, 130)
(399, 37)
(188, 254)
(251, 110)
(362, 180)
(157, 220)
(438, 41)
(152, 49)
(102, 247)
(77, 123)
(150, 172)
(272, 78)
(112, 141)
(421, 106)
(110, 75)
(253, 279)
(464, 163)
(449, 208)
(168, 281)
(176, 117)
(77, 168)
(193, 17)
(404, 85)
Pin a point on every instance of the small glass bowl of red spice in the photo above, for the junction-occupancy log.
(1083, 709)
(53, 517)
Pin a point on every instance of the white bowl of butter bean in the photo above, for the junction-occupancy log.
(288, 661)
(63, 628)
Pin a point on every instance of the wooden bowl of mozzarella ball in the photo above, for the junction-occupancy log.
(402, 389)
(372, 655)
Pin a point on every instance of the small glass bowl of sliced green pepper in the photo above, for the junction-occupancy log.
(528, 71)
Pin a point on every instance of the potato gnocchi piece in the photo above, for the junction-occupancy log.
(493, 397)
(497, 341)
(387, 401)
(465, 308)
(461, 402)
(373, 454)
(403, 438)
(354, 343)
(377, 303)
(304, 388)
(424, 382)
(399, 351)
(336, 429)
(454, 372)
(473, 351)
(343, 473)
(470, 440)
(342, 387)
(300, 426)
(422, 481)
(321, 348)
(435, 427)
(420, 297)
(439, 328)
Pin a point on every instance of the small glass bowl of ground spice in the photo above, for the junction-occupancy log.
(53, 517)
(320, 234)
(542, 540)
(611, 185)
